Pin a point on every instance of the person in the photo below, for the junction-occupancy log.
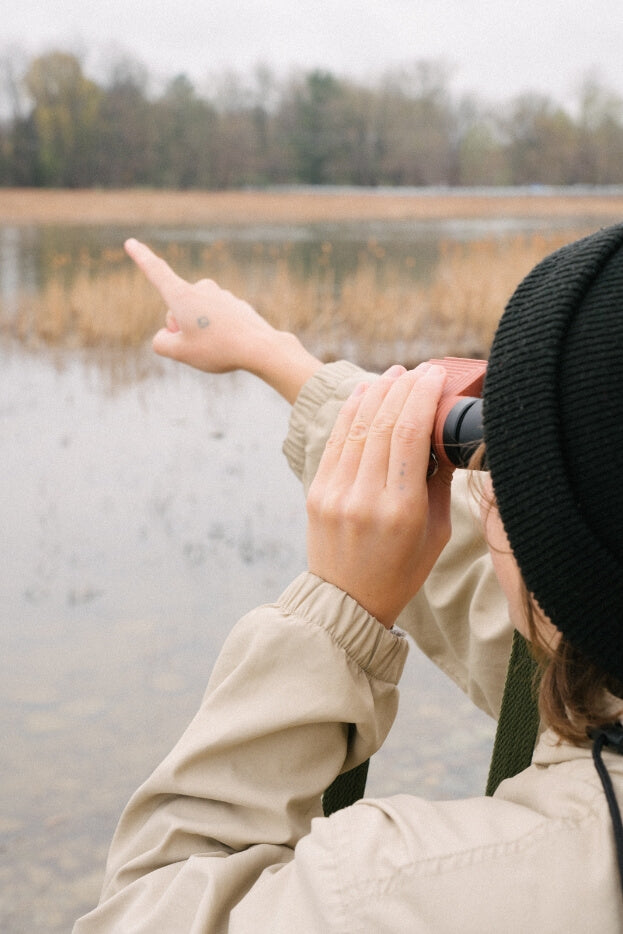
(228, 834)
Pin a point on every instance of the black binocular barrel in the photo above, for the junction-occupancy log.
(463, 431)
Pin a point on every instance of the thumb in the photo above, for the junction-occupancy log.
(171, 323)
(166, 342)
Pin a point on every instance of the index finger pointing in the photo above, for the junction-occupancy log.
(155, 268)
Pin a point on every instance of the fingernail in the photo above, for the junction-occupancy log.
(359, 389)
(394, 371)
(434, 371)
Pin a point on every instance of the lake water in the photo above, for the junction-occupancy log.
(142, 516)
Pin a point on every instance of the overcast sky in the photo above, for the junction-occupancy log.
(495, 48)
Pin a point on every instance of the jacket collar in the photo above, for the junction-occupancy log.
(551, 750)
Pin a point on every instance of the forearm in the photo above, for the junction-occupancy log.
(460, 616)
(209, 328)
(241, 787)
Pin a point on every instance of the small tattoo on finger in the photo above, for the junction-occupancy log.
(403, 470)
(203, 322)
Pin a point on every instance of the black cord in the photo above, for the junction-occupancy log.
(611, 735)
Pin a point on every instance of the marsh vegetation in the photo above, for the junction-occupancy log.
(375, 275)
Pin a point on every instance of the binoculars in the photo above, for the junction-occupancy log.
(458, 431)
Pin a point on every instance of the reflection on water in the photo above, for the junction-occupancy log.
(30, 254)
(137, 528)
(376, 292)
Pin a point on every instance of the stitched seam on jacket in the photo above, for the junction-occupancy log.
(449, 863)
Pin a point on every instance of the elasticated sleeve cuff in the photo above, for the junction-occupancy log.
(324, 384)
(379, 652)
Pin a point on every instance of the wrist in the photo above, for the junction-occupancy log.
(281, 361)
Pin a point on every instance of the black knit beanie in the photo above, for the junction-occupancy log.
(553, 417)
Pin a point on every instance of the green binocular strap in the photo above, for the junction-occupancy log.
(514, 739)
(347, 788)
(518, 725)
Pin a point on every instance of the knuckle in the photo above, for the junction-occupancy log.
(410, 432)
(358, 431)
(207, 290)
(312, 499)
(356, 513)
(312, 507)
(335, 440)
(383, 426)
(396, 523)
(395, 517)
(315, 494)
(322, 505)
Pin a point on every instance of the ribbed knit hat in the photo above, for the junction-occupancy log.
(553, 420)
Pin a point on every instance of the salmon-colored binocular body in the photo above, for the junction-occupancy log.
(457, 431)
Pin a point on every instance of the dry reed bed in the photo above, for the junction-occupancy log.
(134, 207)
(377, 312)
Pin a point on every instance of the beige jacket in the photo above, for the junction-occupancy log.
(226, 835)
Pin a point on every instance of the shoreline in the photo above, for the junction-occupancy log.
(24, 206)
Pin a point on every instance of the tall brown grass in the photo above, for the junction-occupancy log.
(378, 312)
(117, 308)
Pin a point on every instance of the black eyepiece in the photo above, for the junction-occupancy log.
(462, 430)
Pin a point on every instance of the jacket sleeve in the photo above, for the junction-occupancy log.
(302, 690)
(460, 617)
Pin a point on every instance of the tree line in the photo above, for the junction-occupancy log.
(61, 128)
